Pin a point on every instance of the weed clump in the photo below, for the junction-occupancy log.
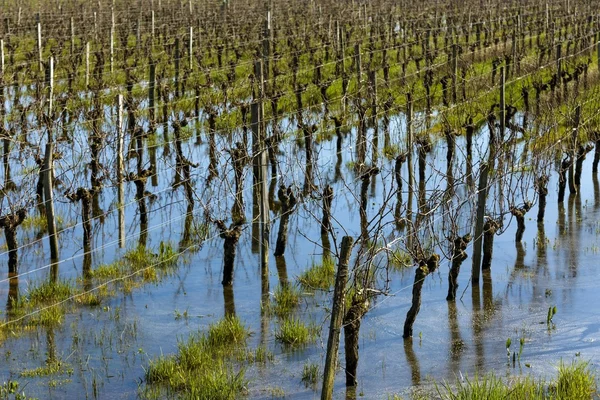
(319, 276)
(200, 369)
(574, 382)
(293, 332)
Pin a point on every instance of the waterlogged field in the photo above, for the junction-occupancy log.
(436, 140)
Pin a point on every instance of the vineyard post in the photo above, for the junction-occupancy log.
(2, 56)
(39, 43)
(138, 35)
(190, 50)
(267, 45)
(357, 66)
(50, 81)
(454, 71)
(49, 203)
(479, 222)
(502, 104)
(337, 315)
(409, 151)
(573, 151)
(177, 60)
(72, 37)
(120, 167)
(151, 92)
(262, 173)
(112, 39)
(87, 65)
(559, 63)
(152, 26)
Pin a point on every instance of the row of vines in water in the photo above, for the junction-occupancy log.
(248, 113)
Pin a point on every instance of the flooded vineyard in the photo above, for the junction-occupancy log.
(299, 199)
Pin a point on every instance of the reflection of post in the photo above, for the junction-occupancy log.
(120, 188)
(456, 342)
(413, 362)
(228, 300)
(50, 347)
(488, 294)
(282, 271)
(13, 292)
(596, 191)
(477, 326)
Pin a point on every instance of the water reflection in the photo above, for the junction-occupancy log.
(477, 322)
(457, 344)
(13, 293)
(281, 265)
(596, 191)
(228, 300)
(413, 361)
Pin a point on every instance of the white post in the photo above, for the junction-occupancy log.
(2, 55)
(112, 37)
(191, 46)
(87, 65)
(39, 44)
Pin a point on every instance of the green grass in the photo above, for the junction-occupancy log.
(285, 300)
(310, 374)
(55, 367)
(10, 390)
(319, 276)
(201, 368)
(294, 332)
(575, 381)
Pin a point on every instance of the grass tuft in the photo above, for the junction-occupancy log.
(319, 276)
(293, 332)
(201, 368)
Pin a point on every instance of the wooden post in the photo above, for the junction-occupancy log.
(337, 315)
(481, 201)
(87, 65)
(267, 45)
(358, 66)
(502, 105)
(573, 151)
(262, 174)
(112, 40)
(191, 46)
(409, 151)
(559, 63)
(152, 27)
(2, 56)
(598, 54)
(120, 169)
(50, 85)
(72, 37)
(151, 92)
(39, 45)
(454, 71)
(49, 203)
(177, 60)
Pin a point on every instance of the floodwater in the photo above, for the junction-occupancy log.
(109, 346)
